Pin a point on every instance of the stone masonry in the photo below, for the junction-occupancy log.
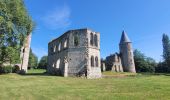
(75, 53)
(124, 61)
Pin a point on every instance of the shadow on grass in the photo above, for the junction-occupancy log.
(165, 74)
(37, 74)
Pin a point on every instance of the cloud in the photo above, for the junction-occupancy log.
(58, 18)
(39, 51)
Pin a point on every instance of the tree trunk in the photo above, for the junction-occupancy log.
(24, 55)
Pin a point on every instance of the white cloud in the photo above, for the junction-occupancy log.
(58, 18)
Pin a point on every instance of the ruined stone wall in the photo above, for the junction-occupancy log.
(75, 59)
(57, 51)
(76, 54)
(25, 50)
(114, 63)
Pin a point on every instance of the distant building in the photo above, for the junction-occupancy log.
(75, 53)
(124, 61)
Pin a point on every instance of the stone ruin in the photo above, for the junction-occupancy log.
(75, 53)
(123, 61)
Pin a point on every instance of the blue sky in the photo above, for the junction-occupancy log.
(143, 20)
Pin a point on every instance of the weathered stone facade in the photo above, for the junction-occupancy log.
(124, 61)
(24, 54)
(114, 63)
(75, 53)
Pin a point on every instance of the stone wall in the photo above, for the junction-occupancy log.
(114, 63)
(75, 59)
(24, 54)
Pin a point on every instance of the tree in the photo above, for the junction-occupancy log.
(161, 68)
(164, 67)
(15, 26)
(143, 63)
(9, 55)
(43, 63)
(15, 22)
(166, 49)
(33, 60)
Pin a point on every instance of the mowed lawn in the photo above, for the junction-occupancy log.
(36, 86)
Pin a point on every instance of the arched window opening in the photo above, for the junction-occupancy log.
(58, 63)
(76, 40)
(59, 47)
(65, 43)
(54, 48)
(96, 40)
(92, 61)
(96, 61)
(91, 39)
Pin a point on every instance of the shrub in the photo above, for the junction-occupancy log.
(6, 69)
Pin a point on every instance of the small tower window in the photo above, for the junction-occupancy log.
(76, 40)
(92, 61)
(96, 40)
(96, 61)
(91, 39)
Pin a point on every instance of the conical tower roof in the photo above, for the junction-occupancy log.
(124, 38)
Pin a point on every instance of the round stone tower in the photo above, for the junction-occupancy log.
(126, 53)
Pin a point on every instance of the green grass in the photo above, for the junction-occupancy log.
(43, 87)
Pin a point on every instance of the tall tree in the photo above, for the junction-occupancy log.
(15, 27)
(15, 22)
(166, 49)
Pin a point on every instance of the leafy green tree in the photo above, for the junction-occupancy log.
(9, 55)
(15, 22)
(162, 68)
(143, 63)
(15, 26)
(43, 63)
(33, 60)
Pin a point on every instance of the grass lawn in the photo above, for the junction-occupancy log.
(36, 86)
